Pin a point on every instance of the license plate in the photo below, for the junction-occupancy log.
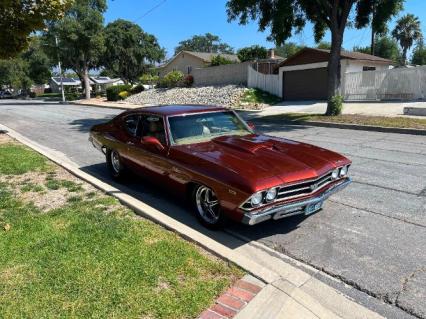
(310, 209)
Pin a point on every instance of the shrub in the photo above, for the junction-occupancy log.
(137, 89)
(149, 79)
(188, 80)
(336, 105)
(113, 92)
(220, 60)
(33, 95)
(124, 94)
(172, 79)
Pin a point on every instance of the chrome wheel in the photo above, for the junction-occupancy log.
(115, 161)
(207, 205)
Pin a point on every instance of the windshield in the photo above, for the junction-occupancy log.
(197, 128)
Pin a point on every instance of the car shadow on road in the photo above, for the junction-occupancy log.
(84, 125)
(174, 206)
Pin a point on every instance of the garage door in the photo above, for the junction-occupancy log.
(305, 84)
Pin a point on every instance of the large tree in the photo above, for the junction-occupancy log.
(80, 38)
(324, 45)
(251, 53)
(407, 31)
(419, 54)
(18, 19)
(287, 49)
(283, 17)
(380, 14)
(14, 74)
(204, 43)
(129, 50)
(30, 67)
(38, 63)
(385, 47)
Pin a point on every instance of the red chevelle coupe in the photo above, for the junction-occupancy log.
(227, 170)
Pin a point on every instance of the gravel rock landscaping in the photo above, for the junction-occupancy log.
(228, 95)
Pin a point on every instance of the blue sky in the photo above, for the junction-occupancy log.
(174, 20)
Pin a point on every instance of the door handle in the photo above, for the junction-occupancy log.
(130, 143)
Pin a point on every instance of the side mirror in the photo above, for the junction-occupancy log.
(152, 141)
(251, 125)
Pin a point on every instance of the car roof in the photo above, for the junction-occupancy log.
(177, 109)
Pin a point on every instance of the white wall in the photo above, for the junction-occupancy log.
(357, 66)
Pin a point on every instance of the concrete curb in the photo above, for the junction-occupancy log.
(102, 106)
(118, 107)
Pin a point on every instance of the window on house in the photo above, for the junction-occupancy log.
(189, 69)
(369, 68)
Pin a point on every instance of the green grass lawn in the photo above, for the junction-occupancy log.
(91, 256)
(255, 96)
(399, 122)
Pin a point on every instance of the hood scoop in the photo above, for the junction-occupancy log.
(247, 145)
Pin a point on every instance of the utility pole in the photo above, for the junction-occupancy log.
(60, 70)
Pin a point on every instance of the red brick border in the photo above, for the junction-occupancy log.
(232, 301)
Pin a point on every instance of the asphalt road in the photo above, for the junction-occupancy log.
(371, 236)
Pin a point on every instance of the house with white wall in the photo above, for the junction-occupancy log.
(303, 76)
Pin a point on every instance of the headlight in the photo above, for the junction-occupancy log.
(256, 199)
(335, 174)
(271, 194)
(343, 171)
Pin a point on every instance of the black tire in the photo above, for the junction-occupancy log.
(117, 172)
(207, 207)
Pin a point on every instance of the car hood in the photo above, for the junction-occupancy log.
(266, 161)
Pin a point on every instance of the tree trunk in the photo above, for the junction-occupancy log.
(338, 18)
(404, 56)
(86, 82)
(373, 42)
(373, 33)
(334, 69)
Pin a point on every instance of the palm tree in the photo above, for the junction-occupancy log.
(406, 32)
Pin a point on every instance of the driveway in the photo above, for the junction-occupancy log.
(371, 236)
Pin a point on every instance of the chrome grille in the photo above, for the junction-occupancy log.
(304, 188)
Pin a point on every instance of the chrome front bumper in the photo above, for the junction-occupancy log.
(293, 208)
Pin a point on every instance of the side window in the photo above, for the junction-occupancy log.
(368, 68)
(153, 125)
(131, 124)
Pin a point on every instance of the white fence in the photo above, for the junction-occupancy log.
(266, 82)
(394, 84)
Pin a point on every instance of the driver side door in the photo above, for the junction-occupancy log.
(149, 158)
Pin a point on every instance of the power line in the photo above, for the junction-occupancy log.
(150, 10)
